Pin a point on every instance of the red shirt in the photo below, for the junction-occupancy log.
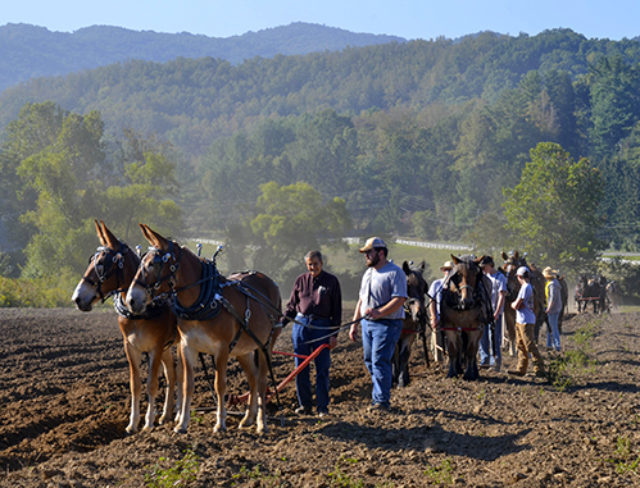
(319, 296)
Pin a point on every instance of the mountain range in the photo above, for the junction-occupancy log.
(28, 51)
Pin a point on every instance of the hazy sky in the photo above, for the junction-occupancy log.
(411, 19)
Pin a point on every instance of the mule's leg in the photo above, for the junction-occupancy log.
(135, 385)
(188, 360)
(222, 358)
(251, 370)
(395, 364)
(471, 352)
(152, 388)
(170, 391)
(453, 340)
(263, 371)
(179, 383)
(401, 360)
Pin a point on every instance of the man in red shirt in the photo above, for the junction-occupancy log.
(316, 305)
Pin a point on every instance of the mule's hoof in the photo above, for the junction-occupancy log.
(180, 430)
(219, 429)
(147, 428)
(131, 430)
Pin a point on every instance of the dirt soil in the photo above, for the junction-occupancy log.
(64, 407)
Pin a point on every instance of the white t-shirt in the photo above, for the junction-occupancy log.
(379, 286)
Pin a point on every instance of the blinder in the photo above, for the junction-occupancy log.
(159, 259)
(106, 261)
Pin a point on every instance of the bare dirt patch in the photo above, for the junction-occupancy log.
(64, 407)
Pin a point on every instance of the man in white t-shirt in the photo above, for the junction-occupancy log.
(525, 324)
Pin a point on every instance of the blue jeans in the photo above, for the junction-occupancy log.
(304, 343)
(379, 340)
(553, 339)
(485, 350)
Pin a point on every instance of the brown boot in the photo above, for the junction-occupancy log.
(539, 372)
(516, 372)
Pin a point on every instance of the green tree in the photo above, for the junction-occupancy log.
(553, 212)
(58, 159)
(289, 221)
(615, 103)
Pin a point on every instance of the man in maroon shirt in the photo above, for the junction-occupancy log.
(316, 305)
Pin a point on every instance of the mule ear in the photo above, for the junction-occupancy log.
(422, 265)
(504, 255)
(146, 233)
(516, 255)
(455, 259)
(155, 239)
(406, 268)
(479, 260)
(99, 232)
(112, 241)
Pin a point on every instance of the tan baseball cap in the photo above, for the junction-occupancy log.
(372, 243)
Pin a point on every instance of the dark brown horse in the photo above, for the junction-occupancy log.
(464, 309)
(414, 323)
(511, 264)
(222, 317)
(110, 272)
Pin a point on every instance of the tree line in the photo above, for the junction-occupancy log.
(444, 143)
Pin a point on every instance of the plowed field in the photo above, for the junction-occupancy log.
(64, 402)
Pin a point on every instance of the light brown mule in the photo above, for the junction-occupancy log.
(110, 271)
(250, 296)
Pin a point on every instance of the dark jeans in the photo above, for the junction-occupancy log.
(305, 342)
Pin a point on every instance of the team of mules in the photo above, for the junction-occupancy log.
(170, 296)
(595, 290)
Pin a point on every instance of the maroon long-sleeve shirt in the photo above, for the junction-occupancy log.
(319, 296)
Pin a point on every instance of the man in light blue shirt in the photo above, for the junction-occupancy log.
(383, 291)
(491, 341)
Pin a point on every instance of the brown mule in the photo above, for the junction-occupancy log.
(110, 272)
(414, 323)
(464, 309)
(222, 317)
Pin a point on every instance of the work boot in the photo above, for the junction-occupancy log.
(304, 410)
(516, 372)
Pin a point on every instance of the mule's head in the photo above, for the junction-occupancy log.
(110, 270)
(415, 304)
(513, 261)
(464, 280)
(156, 274)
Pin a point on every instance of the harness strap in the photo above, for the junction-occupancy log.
(244, 327)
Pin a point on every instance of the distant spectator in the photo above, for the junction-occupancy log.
(553, 294)
(435, 294)
(490, 347)
(525, 323)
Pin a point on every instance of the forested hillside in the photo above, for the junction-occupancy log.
(435, 139)
(28, 51)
